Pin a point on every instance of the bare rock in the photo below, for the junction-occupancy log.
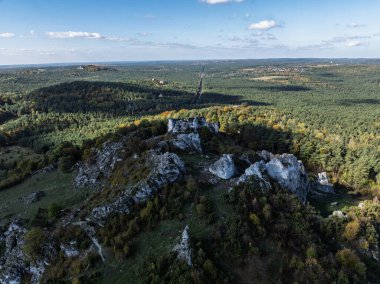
(14, 264)
(183, 126)
(189, 142)
(183, 249)
(322, 185)
(224, 167)
(257, 172)
(290, 174)
(32, 197)
(104, 161)
(166, 169)
(338, 214)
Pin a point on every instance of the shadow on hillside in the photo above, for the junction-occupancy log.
(328, 75)
(352, 102)
(217, 98)
(284, 88)
(121, 98)
(261, 137)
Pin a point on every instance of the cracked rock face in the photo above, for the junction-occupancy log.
(90, 173)
(257, 172)
(183, 249)
(167, 168)
(290, 174)
(284, 169)
(190, 142)
(224, 167)
(183, 126)
(14, 264)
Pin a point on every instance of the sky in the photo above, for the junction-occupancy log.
(55, 31)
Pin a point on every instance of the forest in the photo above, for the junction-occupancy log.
(324, 112)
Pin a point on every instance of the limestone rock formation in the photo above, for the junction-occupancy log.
(190, 142)
(183, 249)
(290, 174)
(166, 169)
(224, 167)
(14, 264)
(257, 172)
(183, 126)
(102, 165)
(323, 185)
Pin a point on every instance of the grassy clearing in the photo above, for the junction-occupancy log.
(156, 242)
(329, 203)
(9, 156)
(57, 186)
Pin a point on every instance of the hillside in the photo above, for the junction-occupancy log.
(234, 214)
(270, 172)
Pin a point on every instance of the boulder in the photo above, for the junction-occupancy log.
(189, 142)
(338, 214)
(69, 251)
(182, 126)
(290, 174)
(166, 169)
(323, 185)
(102, 165)
(224, 167)
(32, 197)
(183, 249)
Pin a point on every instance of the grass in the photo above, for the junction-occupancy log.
(329, 203)
(9, 156)
(156, 242)
(57, 186)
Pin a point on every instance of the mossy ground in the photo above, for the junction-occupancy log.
(57, 186)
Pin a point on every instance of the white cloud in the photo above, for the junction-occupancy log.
(31, 32)
(215, 2)
(263, 25)
(354, 44)
(6, 35)
(71, 34)
(355, 25)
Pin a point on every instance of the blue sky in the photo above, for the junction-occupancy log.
(50, 31)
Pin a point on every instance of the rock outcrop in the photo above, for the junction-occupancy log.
(189, 142)
(14, 264)
(183, 249)
(32, 197)
(182, 126)
(166, 169)
(101, 165)
(284, 169)
(323, 185)
(224, 167)
(257, 172)
(290, 174)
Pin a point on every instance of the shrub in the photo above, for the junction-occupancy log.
(352, 229)
(53, 210)
(351, 263)
(34, 241)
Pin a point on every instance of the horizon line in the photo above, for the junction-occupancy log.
(113, 62)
